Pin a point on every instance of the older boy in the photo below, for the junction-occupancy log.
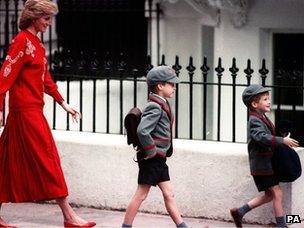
(261, 141)
(155, 135)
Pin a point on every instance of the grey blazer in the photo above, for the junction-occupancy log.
(261, 143)
(155, 128)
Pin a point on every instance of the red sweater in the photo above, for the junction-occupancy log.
(25, 74)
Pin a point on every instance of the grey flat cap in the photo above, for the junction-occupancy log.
(162, 74)
(252, 91)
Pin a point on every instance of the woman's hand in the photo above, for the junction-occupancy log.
(75, 114)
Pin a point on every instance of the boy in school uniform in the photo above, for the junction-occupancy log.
(261, 142)
(155, 135)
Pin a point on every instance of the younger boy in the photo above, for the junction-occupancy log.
(155, 135)
(261, 142)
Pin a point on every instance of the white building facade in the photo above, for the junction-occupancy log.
(241, 29)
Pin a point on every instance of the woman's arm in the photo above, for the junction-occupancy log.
(75, 114)
(11, 66)
(51, 89)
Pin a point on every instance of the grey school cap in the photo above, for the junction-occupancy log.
(252, 91)
(162, 74)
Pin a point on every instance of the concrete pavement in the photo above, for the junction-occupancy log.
(30, 215)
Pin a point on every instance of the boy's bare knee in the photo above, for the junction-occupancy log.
(140, 197)
(268, 196)
(168, 195)
(277, 192)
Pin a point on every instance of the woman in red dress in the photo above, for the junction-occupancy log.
(30, 168)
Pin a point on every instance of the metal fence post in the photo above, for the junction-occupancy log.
(219, 70)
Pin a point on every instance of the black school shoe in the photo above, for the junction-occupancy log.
(236, 217)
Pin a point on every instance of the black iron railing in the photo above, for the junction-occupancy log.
(76, 66)
(109, 71)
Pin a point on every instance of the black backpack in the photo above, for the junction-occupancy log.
(131, 123)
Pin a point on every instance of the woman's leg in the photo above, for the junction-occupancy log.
(139, 196)
(69, 214)
(2, 222)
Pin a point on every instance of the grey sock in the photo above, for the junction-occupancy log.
(280, 221)
(182, 225)
(243, 210)
(125, 225)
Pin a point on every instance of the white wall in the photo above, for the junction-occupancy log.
(282, 14)
(208, 178)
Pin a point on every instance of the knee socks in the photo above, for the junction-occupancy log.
(243, 210)
(280, 221)
(183, 225)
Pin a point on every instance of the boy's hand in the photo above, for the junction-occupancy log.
(290, 142)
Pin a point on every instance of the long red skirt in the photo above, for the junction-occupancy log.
(30, 168)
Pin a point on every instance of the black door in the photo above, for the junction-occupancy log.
(288, 68)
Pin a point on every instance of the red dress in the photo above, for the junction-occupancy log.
(30, 168)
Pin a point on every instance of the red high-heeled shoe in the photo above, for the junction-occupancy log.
(7, 226)
(87, 224)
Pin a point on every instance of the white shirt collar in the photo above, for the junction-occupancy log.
(160, 97)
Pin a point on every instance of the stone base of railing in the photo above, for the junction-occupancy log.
(208, 178)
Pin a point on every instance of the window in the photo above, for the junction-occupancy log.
(104, 26)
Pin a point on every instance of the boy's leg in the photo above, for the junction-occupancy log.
(277, 205)
(170, 204)
(139, 196)
(277, 200)
(238, 213)
(260, 200)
